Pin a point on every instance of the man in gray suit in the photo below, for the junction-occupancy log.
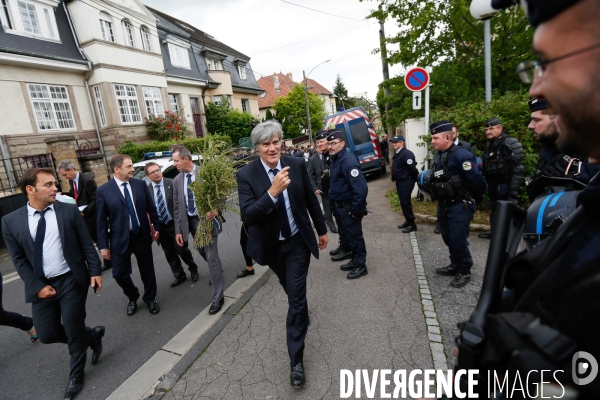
(54, 255)
(161, 191)
(187, 221)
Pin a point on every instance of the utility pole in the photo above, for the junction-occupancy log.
(386, 74)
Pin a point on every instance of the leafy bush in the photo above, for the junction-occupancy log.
(170, 126)
(221, 119)
(196, 145)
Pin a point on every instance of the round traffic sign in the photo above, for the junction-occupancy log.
(416, 79)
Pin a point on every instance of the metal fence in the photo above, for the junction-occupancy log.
(11, 170)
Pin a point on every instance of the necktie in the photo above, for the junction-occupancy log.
(38, 246)
(191, 207)
(162, 208)
(135, 227)
(75, 193)
(284, 222)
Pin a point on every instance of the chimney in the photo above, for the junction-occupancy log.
(289, 75)
(275, 81)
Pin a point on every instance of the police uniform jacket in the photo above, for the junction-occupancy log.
(404, 166)
(347, 182)
(462, 163)
(503, 162)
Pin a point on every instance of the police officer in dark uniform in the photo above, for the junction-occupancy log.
(404, 173)
(318, 166)
(502, 166)
(457, 184)
(348, 193)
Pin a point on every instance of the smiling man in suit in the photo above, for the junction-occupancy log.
(53, 254)
(161, 190)
(125, 203)
(276, 199)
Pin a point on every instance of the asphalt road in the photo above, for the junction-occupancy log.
(41, 371)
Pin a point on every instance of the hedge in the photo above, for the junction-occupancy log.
(196, 145)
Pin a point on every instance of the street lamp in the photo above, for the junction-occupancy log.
(306, 99)
(483, 10)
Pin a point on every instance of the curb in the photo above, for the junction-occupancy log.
(436, 341)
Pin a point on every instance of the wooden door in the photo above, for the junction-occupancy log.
(196, 116)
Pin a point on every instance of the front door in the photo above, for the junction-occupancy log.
(196, 116)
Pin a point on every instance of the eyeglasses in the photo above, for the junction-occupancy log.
(153, 172)
(531, 69)
(333, 143)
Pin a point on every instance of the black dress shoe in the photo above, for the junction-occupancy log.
(349, 266)
(335, 251)
(485, 235)
(404, 225)
(410, 228)
(245, 272)
(297, 377)
(131, 307)
(342, 255)
(216, 307)
(153, 307)
(460, 280)
(437, 231)
(357, 272)
(74, 387)
(195, 276)
(96, 343)
(179, 281)
(332, 228)
(447, 270)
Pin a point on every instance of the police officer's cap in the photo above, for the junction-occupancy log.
(322, 134)
(492, 122)
(440, 126)
(335, 134)
(537, 104)
(538, 11)
(398, 138)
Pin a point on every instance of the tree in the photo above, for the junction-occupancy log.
(290, 111)
(221, 119)
(342, 99)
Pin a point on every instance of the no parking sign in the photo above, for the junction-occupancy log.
(416, 79)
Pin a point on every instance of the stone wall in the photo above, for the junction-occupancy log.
(93, 165)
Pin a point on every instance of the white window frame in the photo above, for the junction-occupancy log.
(127, 102)
(52, 107)
(29, 16)
(37, 16)
(213, 64)
(153, 100)
(230, 101)
(174, 103)
(5, 15)
(218, 100)
(246, 105)
(127, 33)
(100, 105)
(145, 34)
(242, 71)
(179, 56)
(106, 28)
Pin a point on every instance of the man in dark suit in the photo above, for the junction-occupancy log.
(318, 172)
(161, 190)
(125, 203)
(276, 199)
(460, 142)
(82, 188)
(53, 254)
(187, 221)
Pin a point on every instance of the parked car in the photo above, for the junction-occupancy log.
(165, 160)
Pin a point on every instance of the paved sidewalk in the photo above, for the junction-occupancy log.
(375, 322)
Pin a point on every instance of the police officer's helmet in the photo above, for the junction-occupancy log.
(425, 182)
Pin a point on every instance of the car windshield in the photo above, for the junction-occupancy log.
(138, 173)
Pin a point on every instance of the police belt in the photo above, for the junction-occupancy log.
(342, 204)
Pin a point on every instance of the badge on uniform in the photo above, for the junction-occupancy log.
(354, 172)
(467, 165)
(409, 161)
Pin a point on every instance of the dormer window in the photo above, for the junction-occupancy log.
(29, 18)
(242, 71)
(179, 56)
(214, 64)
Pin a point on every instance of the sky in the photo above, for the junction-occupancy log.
(281, 37)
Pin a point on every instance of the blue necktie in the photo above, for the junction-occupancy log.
(38, 246)
(191, 207)
(284, 222)
(162, 208)
(135, 227)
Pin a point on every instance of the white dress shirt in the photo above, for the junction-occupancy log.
(288, 207)
(54, 263)
(119, 183)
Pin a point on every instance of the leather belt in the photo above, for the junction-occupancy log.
(342, 204)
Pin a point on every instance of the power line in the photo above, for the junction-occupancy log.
(319, 11)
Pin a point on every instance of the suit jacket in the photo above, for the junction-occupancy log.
(86, 195)
(78, 248)
(180, 208)
(315, 171)
(168, 189)
(259, 211)
(111, 207)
